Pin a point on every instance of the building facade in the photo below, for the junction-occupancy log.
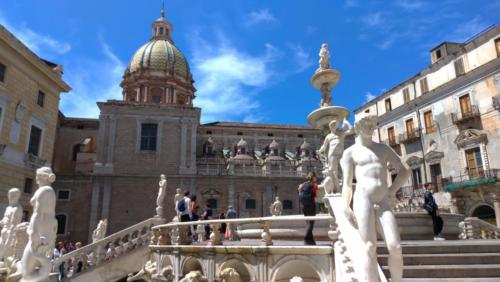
(445, 122)
(110, 167)
(29, 102)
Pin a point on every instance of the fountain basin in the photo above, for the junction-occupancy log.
(328, 76)
(320, 118)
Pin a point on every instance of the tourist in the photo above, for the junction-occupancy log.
(307, 193)
(207, 215)
(223, 226)
(184, 208)
(194, 214)
(231, 231)
(59, 251)
(432, 209)
(79, 266)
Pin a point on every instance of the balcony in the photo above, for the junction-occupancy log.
(496, 102)
(433, 127)
(33, 161)
(462, 117)
(409, 137)
(471, 179)
(393, 142)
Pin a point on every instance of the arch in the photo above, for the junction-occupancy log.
(191, 264)
(484, 212)
(239, 266)
(291, 266)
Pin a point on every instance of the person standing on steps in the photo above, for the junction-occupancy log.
(307, 194)
(433, 210)
(184, 208)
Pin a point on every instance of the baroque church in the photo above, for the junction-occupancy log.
(109, 168)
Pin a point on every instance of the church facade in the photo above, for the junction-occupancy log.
(109, 167)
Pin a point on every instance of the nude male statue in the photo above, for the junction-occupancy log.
(161, 195)
(276, 208)
(41, 230)
(367, 161)
(11, 218)
(334, 144)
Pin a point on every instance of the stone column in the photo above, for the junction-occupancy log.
(100, 139)
(230, 194)
(210, 267)
(94, 205)
(269, 198)
(193, 146)
(106, 197)
(496, 205)
(111, 140)
(183, 145)
(177, 265)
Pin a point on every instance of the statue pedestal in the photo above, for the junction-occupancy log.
(320, 118)
(328, 76)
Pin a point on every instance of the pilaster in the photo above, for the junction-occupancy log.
(94, 205)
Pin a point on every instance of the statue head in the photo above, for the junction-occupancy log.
(14, 194)
(277, 198)
(333, 125)
(44, 176)
(162, 177)
(178, 190)
(366, 125)
(324, 46)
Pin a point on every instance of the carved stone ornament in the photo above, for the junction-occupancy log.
(433, 157)
(414, 162)
(470, 137)
(20, 110)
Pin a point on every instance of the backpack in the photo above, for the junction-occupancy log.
(306, 194)
(181, 205)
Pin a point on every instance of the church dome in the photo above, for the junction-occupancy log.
(161, 54)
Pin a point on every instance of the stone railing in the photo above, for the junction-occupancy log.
(348, 245)
(176, 233)
(108, 248)
(475, 228)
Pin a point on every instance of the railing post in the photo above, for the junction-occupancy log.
(164, 238)
(215, 238)
(200, 232)
(266, 234)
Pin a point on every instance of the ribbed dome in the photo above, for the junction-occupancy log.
(159, 54)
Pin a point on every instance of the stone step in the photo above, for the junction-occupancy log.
(468, 279)
(448, 246)
(450, 271)
(441, 259)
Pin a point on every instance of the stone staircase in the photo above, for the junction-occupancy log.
(451, 260)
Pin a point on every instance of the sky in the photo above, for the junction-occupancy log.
(251, 60)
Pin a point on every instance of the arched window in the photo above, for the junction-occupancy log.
(61, 223)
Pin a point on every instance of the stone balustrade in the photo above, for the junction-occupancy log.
(109, 248)
(475, 228)
(176, 233)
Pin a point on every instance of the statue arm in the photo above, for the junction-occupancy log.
(402, 171)
(347, 166)
(347, 126)
(323, 147)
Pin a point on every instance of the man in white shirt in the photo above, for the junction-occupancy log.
(184, 208)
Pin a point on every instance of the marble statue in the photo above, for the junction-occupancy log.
(331, 150)
(326, 98)
(367, 161)
(161, 195)
(11, 218)
(42, 229)
(194, 276)
(324, 57)
(100, 231)
(296, 279)
(147, 271)
(277, 207)
(230, 275)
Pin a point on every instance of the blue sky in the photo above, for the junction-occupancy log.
(251, 60)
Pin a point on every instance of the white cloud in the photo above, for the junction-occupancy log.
(301, 59)
(92, 80)
(41, 44)
(373, 19)
(410, 4)
(351, 4)
(261, 16)
(369, 96)
(386, 44)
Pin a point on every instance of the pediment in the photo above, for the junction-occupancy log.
(414, 162)
(469, 137)
(211, 194)
(433, 157)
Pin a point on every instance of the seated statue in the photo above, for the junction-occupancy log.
(11, 218)
(194, 276)
(100, 231)
(230, 275)
(42, 230)
(373, 198)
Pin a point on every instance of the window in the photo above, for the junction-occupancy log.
(300, 135)
(76, 149)
(424, 87)
(390, 135)
(209, 132)
(156, 99)
(40, 100)
(28, 185)
(148, 136)
(250, 204)
(388, 106)
(465, 104)
(80, 126)
(35, 140)
(26, 216)
(212, 203)
(459, 67)
(2, 72)
(63, 195)
(497, 46)
(287, 205)
(416, 177)
(367, 111)
(429, 122)
(239, 133)
(406, 95)
(410, 130)
(61, 224)
(161, 30)
(474, 162)
(270, 134)
(438, 54)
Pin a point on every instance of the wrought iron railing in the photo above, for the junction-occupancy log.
(464, 116)
(431, 128)
(409, 136)
(496, 102)
(471, 178)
